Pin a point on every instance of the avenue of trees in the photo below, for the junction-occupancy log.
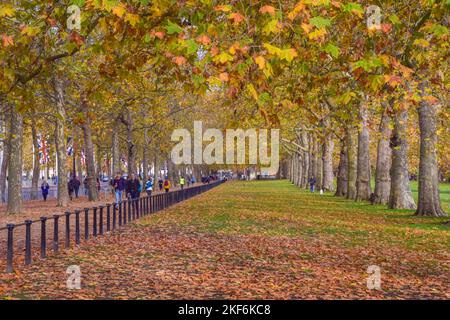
(350, 97)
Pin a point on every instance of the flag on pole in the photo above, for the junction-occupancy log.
(43, 150)
(69, 146)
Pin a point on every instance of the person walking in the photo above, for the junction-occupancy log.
(149, 186)
(312, 183)
(70, 188)
(139, 187)
(76, 185)
(44, 188)
(182, 182)
(86, 186)
(167, 185)
(132, 186)
(160, 183)
(118, 186)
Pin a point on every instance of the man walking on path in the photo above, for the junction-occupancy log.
(44, 188)
(76, 185)
(149, 186)
(160, 183)
(70, 188)
(182, 182)
(132, 187)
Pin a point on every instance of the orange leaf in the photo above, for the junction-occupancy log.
(203, 39)
(236, 17)
(179, 60)
(267, 9)
(7, 40)
(224, 77)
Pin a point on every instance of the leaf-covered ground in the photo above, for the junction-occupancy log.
(253, 240)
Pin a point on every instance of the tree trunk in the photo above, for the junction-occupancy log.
(89, 151)
(327, 160)
(5, 160)
(428, 201)
(131, 148)
(145, 154)
(60, 142)
(117, 167)
(14, 202)
(363, 189)
(341, 188)
(305, 161)
(384, 154)
(352, 159)
(400, 196)
(36, 162)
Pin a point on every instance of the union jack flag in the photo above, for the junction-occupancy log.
(69, 146)
(43, 150)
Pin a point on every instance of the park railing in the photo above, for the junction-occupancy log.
(30, 240)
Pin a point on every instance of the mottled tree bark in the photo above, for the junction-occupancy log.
(5, 160)
(352, 159)
(384, 154)
(341, 187)
(363, 189)
(400, 196)
(327, 160)
(428, 201)
(89, 151)
(305, 160)
(117, 167)
(60, 142)
(145, 154)
(14, 201)
(131, 147)
(36, 162)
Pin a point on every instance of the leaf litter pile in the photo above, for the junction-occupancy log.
(252, 240)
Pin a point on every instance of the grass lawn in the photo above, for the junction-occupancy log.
(260, 239)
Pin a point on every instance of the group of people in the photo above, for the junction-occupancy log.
(132, 187)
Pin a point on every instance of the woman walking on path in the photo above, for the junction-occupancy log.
(119, 186)
(167, 185)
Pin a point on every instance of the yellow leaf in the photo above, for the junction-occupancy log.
(261, 62)
(421, 43)
(30, 31)
(6, 10)
(251, 89)
(119, 10)
(223, 58)
(133, 19)
(300, 6)
(318, 35)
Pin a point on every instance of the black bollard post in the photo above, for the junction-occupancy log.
(10, 252)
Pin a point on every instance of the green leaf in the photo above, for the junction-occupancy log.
(173, 28)
(320, 22)
(332, 49)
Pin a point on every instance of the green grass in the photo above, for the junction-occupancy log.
(277, 208)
